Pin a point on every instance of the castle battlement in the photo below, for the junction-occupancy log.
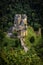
(20, 18)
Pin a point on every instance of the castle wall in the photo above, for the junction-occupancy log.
(23, 33)
(21, 18)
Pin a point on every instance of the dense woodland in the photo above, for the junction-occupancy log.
(11, 52)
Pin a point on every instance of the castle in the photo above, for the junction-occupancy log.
(20, 24)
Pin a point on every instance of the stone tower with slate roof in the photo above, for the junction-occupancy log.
(20, 24)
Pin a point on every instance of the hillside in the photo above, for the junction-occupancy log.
(11, 50)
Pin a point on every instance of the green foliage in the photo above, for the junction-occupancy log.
(31, 33)
(39, 49)
(10, 24)
(11, 8)
(19, 57)
(11, 52)
(36, 26)
(15, 33)
(11, 42)
(32, 39)
(2, 35)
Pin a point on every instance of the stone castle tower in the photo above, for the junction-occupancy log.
(20, 24)
(17, 19)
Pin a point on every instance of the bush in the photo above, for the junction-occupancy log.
(17, 44)
(32, 39)
(36, 27)
(15, 33)
(2, 35)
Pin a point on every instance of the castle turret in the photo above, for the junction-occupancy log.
(24, 18)
(17, 19)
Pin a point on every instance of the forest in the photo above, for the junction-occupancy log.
(11, 51)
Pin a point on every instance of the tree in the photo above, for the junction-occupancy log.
(32, 39)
